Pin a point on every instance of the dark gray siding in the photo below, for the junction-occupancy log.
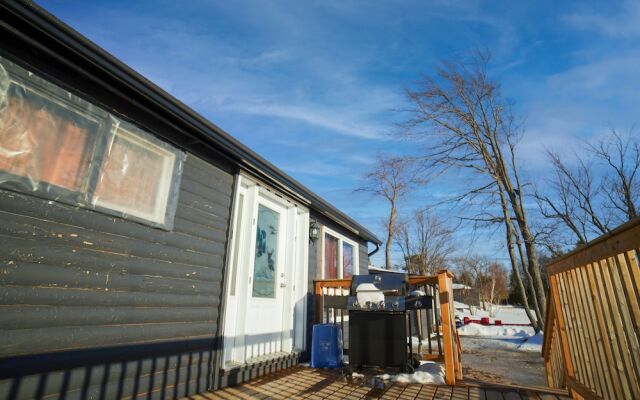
(364, 258)
(97, 306)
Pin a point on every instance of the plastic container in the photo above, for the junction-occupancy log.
(326, 346)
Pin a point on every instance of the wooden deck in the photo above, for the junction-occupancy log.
(314, 384)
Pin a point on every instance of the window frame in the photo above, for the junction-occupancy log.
(341, 239)
(159, 216)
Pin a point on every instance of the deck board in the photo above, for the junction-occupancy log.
(311, 384)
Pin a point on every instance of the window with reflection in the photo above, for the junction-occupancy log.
(347, 260)
(340, 258)
(266, 253)
(330, 256)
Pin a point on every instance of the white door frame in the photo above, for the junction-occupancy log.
(248, 191)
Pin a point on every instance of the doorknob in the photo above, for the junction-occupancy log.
(282, 284)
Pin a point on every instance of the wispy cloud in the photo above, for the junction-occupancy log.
(622, 22)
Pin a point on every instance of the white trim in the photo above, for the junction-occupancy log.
(341, 239)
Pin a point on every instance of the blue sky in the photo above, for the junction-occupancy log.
(315, 86)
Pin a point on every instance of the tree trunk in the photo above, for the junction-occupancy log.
(529, 279)
(389, 244)
(514, 262)
(515, 200)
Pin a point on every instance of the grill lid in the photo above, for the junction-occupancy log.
(388, 284)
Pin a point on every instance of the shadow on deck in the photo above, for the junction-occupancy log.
(307, 383)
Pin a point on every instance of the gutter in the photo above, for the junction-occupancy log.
(375, 250)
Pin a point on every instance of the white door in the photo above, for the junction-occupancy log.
(267, 282)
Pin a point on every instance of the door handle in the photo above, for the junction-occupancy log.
(282, 284)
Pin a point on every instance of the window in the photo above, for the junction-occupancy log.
(135, 177)
(58, 146)
(331, 244)
(339, 256)
(347, 260)
(266, 253)
(44, 145)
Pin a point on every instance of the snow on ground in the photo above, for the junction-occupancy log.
(506, 314)
(533, 343)
(427, 372)
(503, 336)
(474, 329)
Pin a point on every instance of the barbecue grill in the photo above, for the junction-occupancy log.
(380, 309)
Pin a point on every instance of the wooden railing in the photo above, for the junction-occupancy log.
(441, 322)
(591, 342)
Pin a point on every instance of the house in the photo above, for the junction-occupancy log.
(143, 250)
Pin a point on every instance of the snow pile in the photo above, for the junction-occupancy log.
(506, 314)
(474, 329)
(533, 343)
(427, 372)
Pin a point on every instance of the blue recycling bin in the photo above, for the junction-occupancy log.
(326, 346)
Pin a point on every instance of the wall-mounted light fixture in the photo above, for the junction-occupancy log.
(314, 231)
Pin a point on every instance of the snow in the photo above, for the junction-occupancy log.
(474, 329)
(533, 343)
(516, 337)
(459, 286)
(461, 306)
(506, 314)
(427, 372)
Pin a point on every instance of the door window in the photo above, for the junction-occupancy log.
(266, 253)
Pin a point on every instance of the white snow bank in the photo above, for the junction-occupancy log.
(506, 314)
(459, 286)
(533, 343)
(474, 329)
(460, 306)
(427, 372)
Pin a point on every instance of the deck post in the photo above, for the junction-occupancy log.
(446, 299)
(319, 301)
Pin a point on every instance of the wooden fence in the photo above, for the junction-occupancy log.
(444, 326)
(591, 342)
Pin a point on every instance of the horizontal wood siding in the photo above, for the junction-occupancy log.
(96, 306)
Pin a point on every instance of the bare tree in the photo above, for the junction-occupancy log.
(391, 178)
(425, 242)
(599, 191)
(489, 279)
(468, 125)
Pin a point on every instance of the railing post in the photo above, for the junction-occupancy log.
(562, 330)
(319, 305)
(446, 299)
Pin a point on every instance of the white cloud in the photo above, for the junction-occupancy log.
(332, 120)
(623, 23)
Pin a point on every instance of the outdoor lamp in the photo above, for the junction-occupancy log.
(314, 230)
